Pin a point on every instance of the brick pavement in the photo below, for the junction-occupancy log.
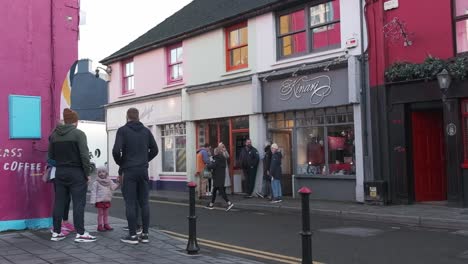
(35, 247)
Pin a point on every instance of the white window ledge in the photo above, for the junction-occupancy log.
(229, 73)
(319, 56)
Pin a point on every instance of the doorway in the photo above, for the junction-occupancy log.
(429, 162)
(283, 139)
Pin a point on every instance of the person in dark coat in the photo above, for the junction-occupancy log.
(219, 176)
(275, 173)
(249, 159)
(266, 184)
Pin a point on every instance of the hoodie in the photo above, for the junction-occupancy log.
(68, 147)
(203, 158)
(134, 146)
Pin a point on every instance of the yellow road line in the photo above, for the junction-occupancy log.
(240, 250)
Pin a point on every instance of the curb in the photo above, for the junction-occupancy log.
(420, 221)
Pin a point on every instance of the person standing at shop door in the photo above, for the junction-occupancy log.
(134, 148)
(249, 159)
(275, 172)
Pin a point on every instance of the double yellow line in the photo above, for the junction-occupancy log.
(239, 250)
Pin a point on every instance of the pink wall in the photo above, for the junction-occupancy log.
(429, 23)
(150, 76)
(28, 50)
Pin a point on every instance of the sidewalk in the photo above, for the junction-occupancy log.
(35, 247)
(424, 215)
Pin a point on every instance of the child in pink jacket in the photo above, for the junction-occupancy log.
(101, 196)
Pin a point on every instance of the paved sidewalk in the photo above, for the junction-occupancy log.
(35, 247)
(426, 215)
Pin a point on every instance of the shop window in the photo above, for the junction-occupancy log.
(309, 29)
(325, 148)
(24, 117)
(465, 131)
(240, 122)
(237, 49)
(174, 63)
(174, 157)
(128, 78)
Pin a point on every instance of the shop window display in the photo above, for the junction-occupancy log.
(173, 148)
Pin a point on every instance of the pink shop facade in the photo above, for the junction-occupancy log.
(39, 44)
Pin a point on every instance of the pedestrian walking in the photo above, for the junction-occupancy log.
(218, 165)
(275, 172)
(69, 148)
(203, 159)
(101, 196)
(249, 159)
(266, 183)
(133, 149)
(227, 181)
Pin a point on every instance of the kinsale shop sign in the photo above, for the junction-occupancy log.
(315, 90)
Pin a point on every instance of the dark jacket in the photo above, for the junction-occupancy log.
(266, 163)
(249, 158)
(275, 166)
(134, 146)
(68, 147)
(219, 170)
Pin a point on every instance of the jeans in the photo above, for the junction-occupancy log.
(276, 186)
(251, 175)
(70, 181)
(136, 190)
(138, 210)
(266, 187)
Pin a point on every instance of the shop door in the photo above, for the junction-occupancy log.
(283, 139)
(430, 179)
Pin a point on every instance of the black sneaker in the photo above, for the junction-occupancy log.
(259, 195)
(139, 230)
(210, 206)
(144, 238)
(132, 240)
(126, 228)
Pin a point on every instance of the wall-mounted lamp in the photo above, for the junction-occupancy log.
(444, 80)
(108, 70)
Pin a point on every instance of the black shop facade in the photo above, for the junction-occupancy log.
(312, 120)
(422, 137)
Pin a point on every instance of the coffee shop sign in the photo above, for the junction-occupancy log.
(318, 88)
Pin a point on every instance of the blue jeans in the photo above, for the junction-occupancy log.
(276, 187)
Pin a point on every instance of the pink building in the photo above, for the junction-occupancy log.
(39, 44)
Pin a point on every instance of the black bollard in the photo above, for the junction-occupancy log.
(306, 234)
(192, 244)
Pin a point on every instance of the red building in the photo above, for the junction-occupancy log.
(419, 130)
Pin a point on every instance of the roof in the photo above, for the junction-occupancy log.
(196, 16)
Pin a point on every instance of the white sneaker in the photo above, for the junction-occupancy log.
(85, 237)
(230, 205)
(57, 237)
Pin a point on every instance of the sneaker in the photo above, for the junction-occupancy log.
(57, 237)
(210, 206)
(259, 195)
(144, 238)
(65, 232)
(126, 228)
(85, 237)
(68, 226)
(139, 231)
(101, 228)
(132, 240)
(230, 205)
(108, 227)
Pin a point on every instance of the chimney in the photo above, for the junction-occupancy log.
(84, 66)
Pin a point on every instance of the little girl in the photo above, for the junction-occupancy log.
(101, 196)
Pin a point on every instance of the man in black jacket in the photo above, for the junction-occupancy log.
(68, 147)
(249, 159)
(134, 148)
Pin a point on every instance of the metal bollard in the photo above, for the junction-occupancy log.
(192, 244)
(306, 233)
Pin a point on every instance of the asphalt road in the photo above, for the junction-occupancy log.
(334, 240)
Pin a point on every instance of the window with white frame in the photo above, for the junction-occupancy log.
(174, 63)
(174, 157)
(128, 80)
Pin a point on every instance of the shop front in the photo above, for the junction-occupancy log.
(161, 113)
(427, 142)
(224, 112)
(312, 120)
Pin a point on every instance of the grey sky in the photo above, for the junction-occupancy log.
(112, 24)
